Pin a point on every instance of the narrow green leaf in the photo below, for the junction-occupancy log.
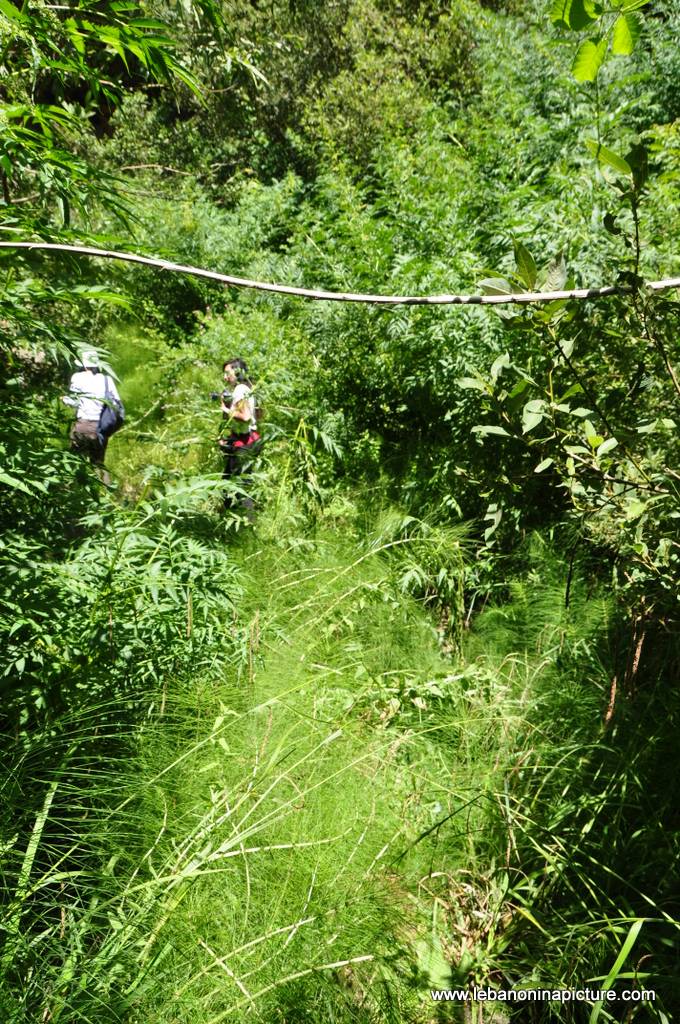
(631, 939)
(589, 59)
(152, 23)
(14, 482)
(482, 428)
(575, 389)
(627, 31)
(608, 157)
(530, 917)
(12, 925)
(576, 449)
(65, 210)
(75, 35)
(543, 465)
(11, 12)
(100, 293)
(520, 387)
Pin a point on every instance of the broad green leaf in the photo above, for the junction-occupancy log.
(559, 12)
(608, 157)
(627, 30)
(555, 275)
(499, 364)
(495, 286)
(526, 268)
(543, 465)
(607, 446)
(566, 347)
(635, 508)
(637, 159)
(574, 14)
(610, 224)
(634, 5)
(471, 383)
(531, 420)
(493, 515)
(433, 963)
(589, 59)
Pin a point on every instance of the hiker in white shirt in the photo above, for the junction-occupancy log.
(239, 418)
(90, 389)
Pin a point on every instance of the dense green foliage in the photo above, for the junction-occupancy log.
(415, 725)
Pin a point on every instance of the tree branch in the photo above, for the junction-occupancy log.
(519, 298)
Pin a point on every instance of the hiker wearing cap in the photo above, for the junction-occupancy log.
(99, 410)
(239, 413)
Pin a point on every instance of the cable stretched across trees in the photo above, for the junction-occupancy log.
(519, 298)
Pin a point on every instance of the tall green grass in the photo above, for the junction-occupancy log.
(337, 815)
(311, 794)
(242, 860)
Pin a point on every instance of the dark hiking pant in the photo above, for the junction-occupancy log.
(239, 454)
(85, 442)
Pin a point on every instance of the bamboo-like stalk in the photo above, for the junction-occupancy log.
(520, 298)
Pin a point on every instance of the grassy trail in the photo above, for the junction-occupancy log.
(302, 795)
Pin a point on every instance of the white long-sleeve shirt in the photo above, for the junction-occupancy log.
(245, 403)
(88, 391)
